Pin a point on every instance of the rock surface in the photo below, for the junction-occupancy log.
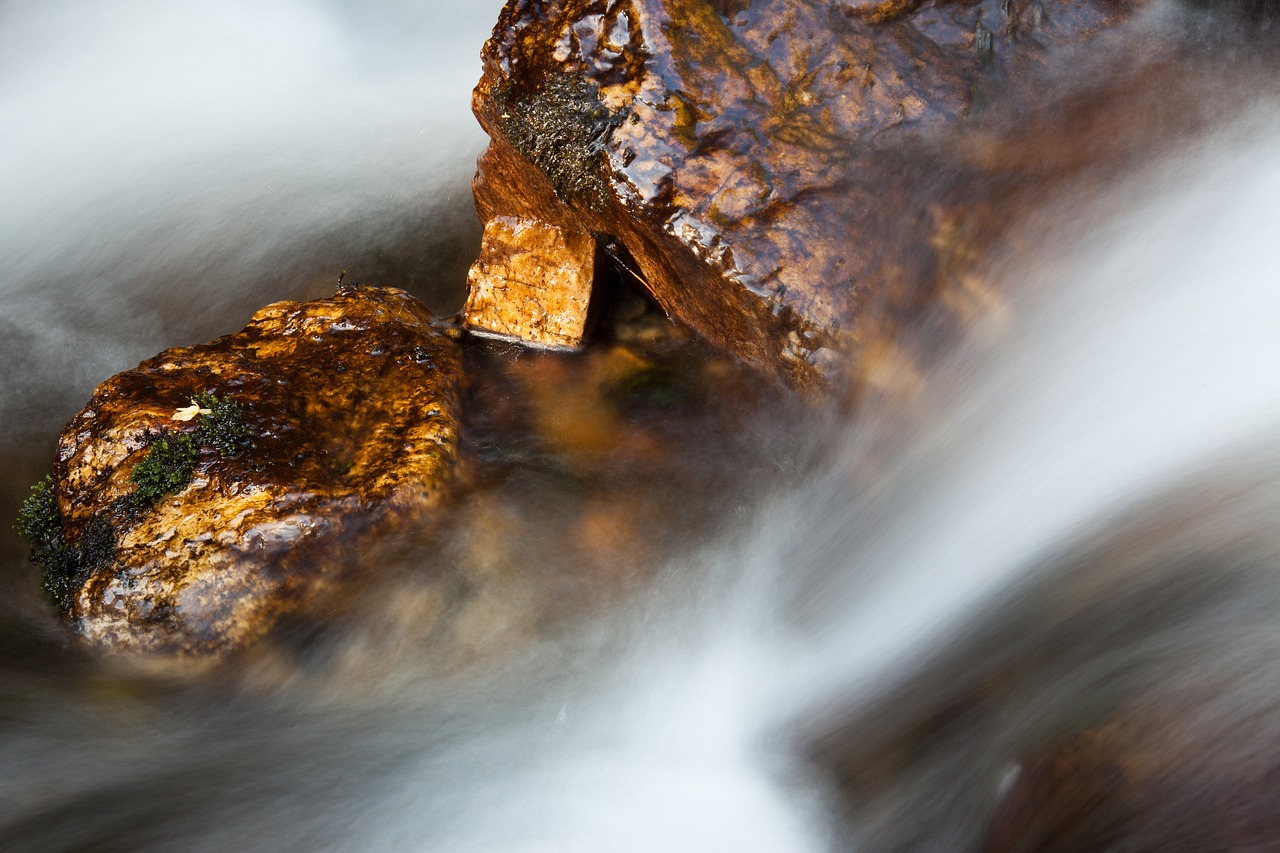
(1146, 781)
(532, 283)
(351, 405)
(588, 474)
(739, 150)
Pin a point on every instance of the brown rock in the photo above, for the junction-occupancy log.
(531, 283)
(1148, 780)
(737, 150)
(351, 403)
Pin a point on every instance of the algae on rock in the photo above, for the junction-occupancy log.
(194, 529)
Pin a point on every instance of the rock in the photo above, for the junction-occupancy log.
(589, 473)
(532, 283)
(738, 151)
(213, 489)
(1146, 780)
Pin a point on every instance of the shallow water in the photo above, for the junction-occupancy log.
(841, 635)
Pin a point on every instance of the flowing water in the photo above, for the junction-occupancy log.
(1078, 519)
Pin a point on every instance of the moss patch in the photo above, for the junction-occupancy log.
(223, 428)
(39, 521)
(67, 567)
(168, 466)
(562, 127)
(64, 565)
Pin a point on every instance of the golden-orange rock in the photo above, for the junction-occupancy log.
(532, 283)
(352, 404)
(744, 154)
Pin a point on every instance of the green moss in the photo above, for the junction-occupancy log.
(562, 127)
(67, 566)
(168, 466)
(97, 544)
(223, 428)
(39, 521)
(64, 565)
(60, 575)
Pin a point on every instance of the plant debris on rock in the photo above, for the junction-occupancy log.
(195, 528)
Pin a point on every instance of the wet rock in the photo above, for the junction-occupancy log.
(532, 283)
(1149, 780)
(589, 473)
(1080, 794)
(214, 489)
(740, 153)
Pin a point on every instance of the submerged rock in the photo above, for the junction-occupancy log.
(216, 488)
(739, 151)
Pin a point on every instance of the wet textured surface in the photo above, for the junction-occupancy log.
(745, 153)
(532, 283)
(351, 404)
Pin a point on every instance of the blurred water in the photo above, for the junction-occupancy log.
(169, 168)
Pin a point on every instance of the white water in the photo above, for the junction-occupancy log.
(1153, 358)
(233, 152)
(145, 140)
(1150, 350)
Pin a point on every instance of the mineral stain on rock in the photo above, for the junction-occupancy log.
(532, 283)
(203, 495)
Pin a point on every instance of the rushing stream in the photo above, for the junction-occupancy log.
(1079, 518)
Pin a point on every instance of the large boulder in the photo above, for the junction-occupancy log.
(740, 156)
(203, 495)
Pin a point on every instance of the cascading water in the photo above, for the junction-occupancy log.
(254, 148)
(1086, 498)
